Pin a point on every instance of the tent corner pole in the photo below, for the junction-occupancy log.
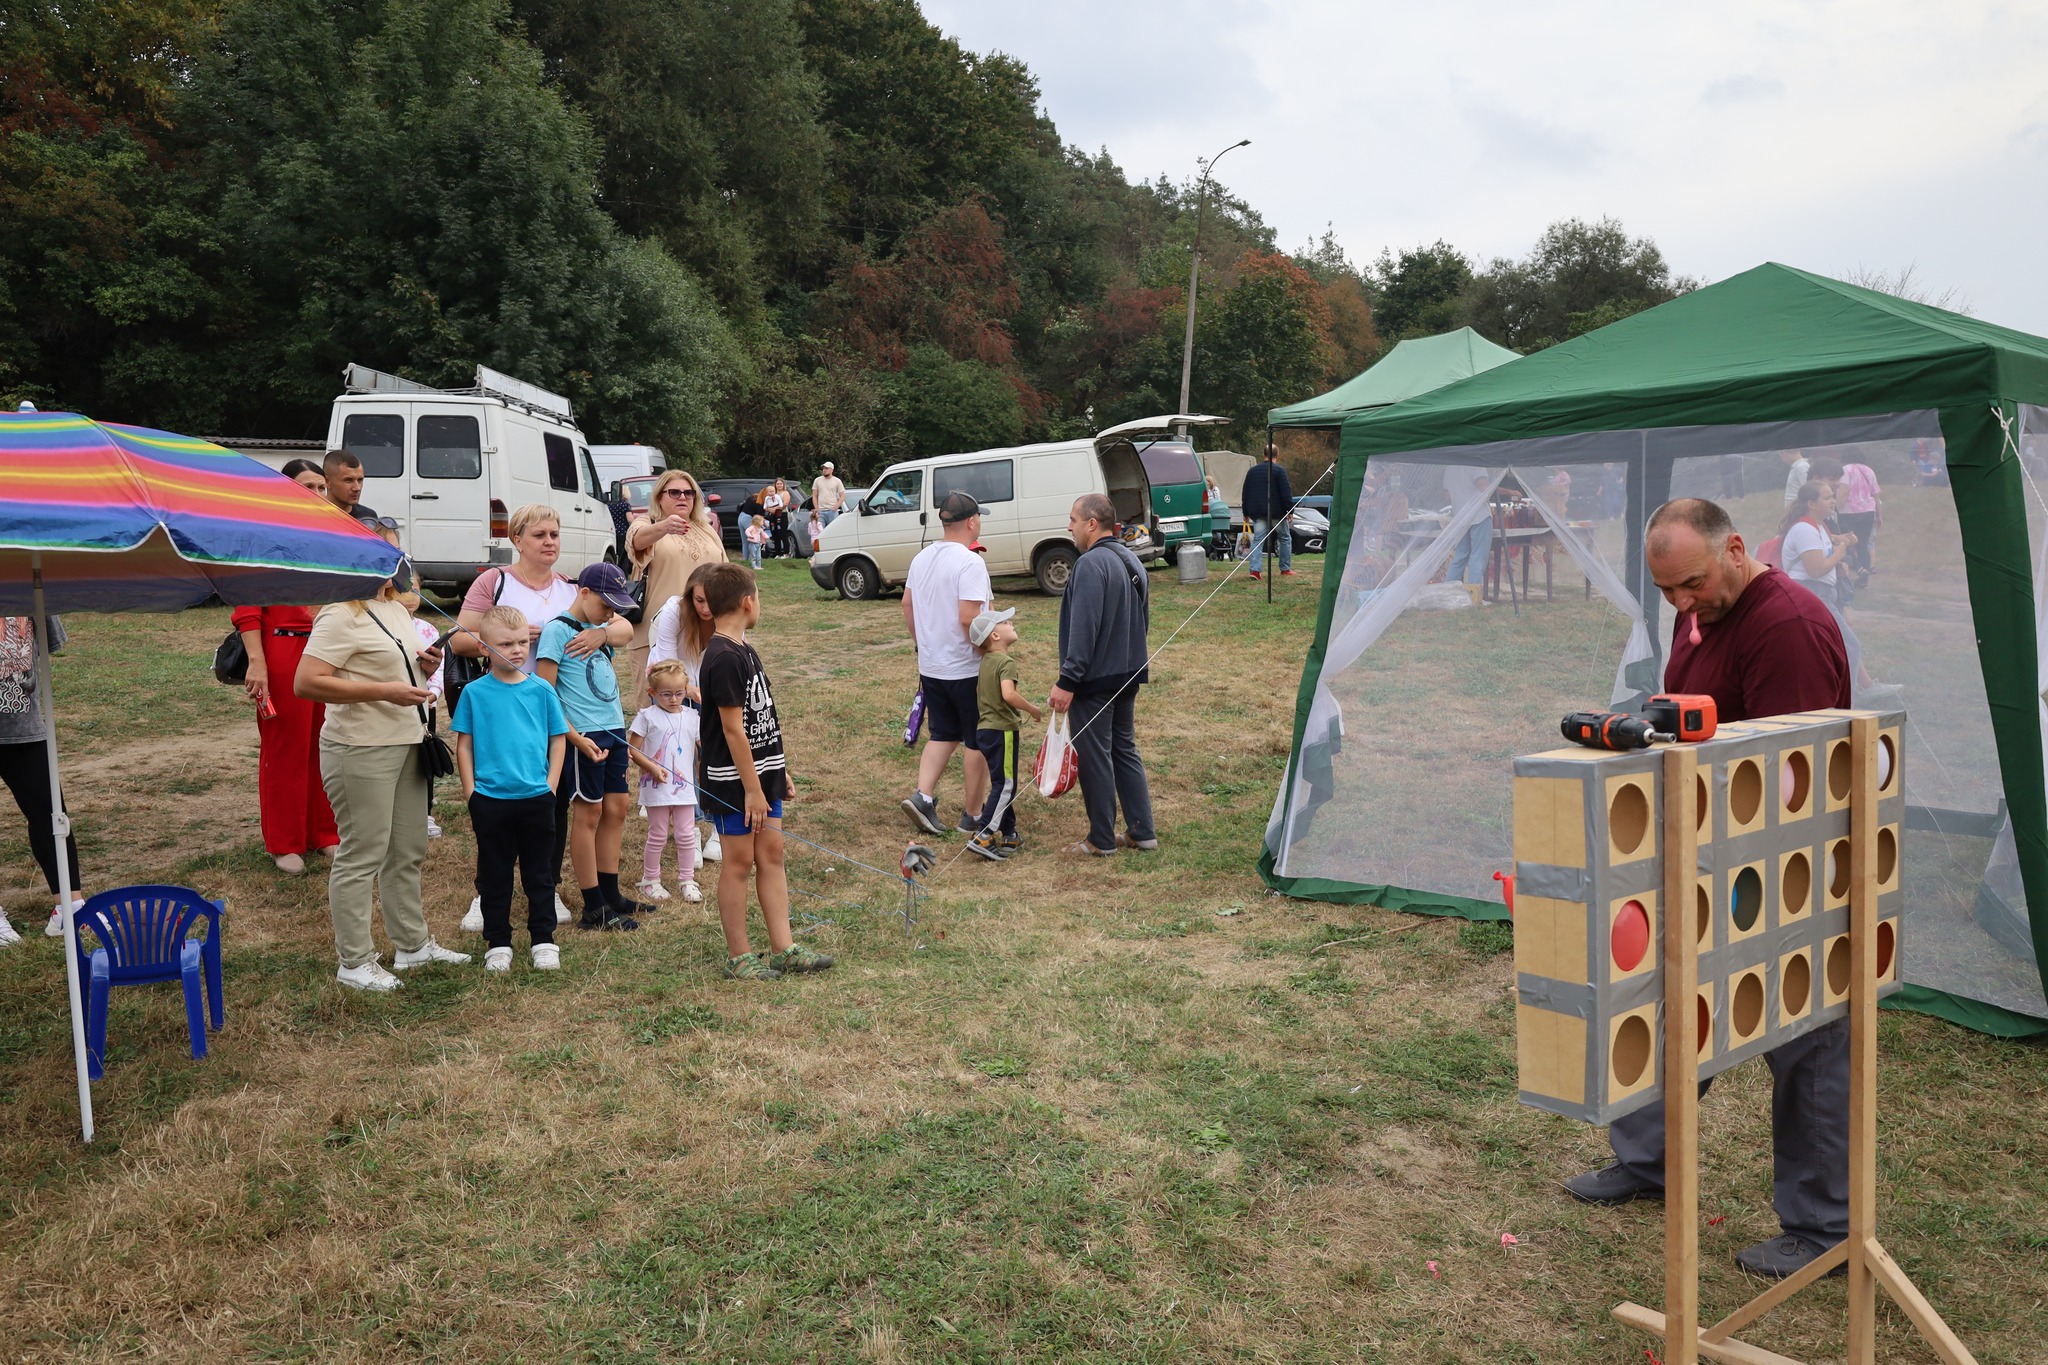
(60, 827)
(1286, 525)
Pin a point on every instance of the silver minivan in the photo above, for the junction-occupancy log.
(1025, 494)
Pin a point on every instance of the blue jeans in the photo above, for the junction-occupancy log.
(1468, 561)
(1282, 543)
(827, 515)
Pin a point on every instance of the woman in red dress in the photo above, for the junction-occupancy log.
(296, 817)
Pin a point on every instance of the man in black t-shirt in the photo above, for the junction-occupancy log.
(744, 781)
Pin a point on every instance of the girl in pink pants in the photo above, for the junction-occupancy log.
(666, 734)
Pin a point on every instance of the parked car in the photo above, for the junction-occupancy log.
(1310, 530)
(726, 495)
(1025, 494)
(449, 467)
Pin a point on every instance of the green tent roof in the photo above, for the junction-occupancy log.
(1770, 344)
(1412, 367)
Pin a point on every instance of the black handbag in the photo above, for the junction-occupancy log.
(435, 756)
(638, 588)
(460, 670)
(231, 661)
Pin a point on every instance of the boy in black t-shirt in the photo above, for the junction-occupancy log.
(745, 782)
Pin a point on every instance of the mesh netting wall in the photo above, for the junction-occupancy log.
(1430, 685)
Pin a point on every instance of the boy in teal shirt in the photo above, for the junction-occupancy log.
(596, 769)
(509, 743)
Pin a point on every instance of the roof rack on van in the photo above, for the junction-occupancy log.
(490, 383)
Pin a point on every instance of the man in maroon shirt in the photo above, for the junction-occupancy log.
(1759, 645)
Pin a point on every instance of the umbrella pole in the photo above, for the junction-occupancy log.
(60, 826)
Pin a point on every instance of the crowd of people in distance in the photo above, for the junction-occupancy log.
(552, 755)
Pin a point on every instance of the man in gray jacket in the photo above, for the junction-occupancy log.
(1104, 615)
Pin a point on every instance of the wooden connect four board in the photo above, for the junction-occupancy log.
(1770, 904)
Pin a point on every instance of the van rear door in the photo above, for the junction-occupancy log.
(449, 503)
(377, 436)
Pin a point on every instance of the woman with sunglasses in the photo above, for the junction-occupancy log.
(664, 549)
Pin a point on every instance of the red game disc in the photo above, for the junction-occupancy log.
(1631, 936)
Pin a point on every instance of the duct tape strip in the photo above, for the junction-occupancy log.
(1573, 998)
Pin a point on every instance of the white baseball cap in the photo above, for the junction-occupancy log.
(985, 625)
(828, 464)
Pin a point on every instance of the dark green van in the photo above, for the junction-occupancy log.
(1180, 501)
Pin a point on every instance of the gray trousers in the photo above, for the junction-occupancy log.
(1106, 745)
(379, 795)
(1809, 1135)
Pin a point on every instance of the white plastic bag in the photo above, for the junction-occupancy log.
(1057, 767)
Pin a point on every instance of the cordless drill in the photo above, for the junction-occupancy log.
(1667, 718)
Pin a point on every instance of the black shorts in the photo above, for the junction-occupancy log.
(952, 708)
(593, 781)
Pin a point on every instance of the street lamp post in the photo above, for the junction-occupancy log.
(1187, 350)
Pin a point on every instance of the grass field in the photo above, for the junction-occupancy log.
(1124, 1111)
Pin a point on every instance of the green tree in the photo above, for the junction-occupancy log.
(403, 189)
(95, 243)
(1266, 343)
(1417, 293)
(707, 119)
(1580, 276)
(942, 404)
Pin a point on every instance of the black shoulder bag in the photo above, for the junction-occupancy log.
(434, 755)
(460, 670)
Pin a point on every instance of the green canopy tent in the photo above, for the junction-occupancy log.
(1412, 367)
(1396, 792)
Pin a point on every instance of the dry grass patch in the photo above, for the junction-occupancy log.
(1078, 1115)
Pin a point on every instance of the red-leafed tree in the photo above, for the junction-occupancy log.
(949, 285)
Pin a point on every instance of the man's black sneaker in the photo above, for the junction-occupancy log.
(613, 923)
(1782, 1257)
(1611, 1184)
(970, 823)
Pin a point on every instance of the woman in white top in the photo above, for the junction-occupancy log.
(530, 583)
(1813, 556)
(681, 633)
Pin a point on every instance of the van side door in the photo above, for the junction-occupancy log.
(893, 521)
(449, 506)
(993, 484)
(566, 496)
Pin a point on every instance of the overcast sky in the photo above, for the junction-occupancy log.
(1826, 134)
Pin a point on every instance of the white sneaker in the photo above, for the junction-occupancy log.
(710, 851)
(498, 960)
(8, 933)
(547, 957)
(691, 893)
(55, 928)
(653, 891)
(473, 922)
(430, 951)
(433, 828)
(561, 911)
(369, 977)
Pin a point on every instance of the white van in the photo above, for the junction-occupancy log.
(626, 462)
(451, 465)
(1025, 494)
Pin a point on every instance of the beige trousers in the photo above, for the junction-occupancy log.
(379, 795)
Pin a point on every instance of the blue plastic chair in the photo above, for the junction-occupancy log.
(142, 932)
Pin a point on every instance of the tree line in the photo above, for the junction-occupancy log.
(756, 233)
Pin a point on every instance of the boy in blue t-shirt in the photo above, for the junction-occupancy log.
(510, 737)
(595, 772)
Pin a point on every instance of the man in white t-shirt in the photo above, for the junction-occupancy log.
(947, 588)
(828, 495)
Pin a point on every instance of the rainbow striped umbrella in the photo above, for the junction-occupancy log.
(95, 516)
(129, 519)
